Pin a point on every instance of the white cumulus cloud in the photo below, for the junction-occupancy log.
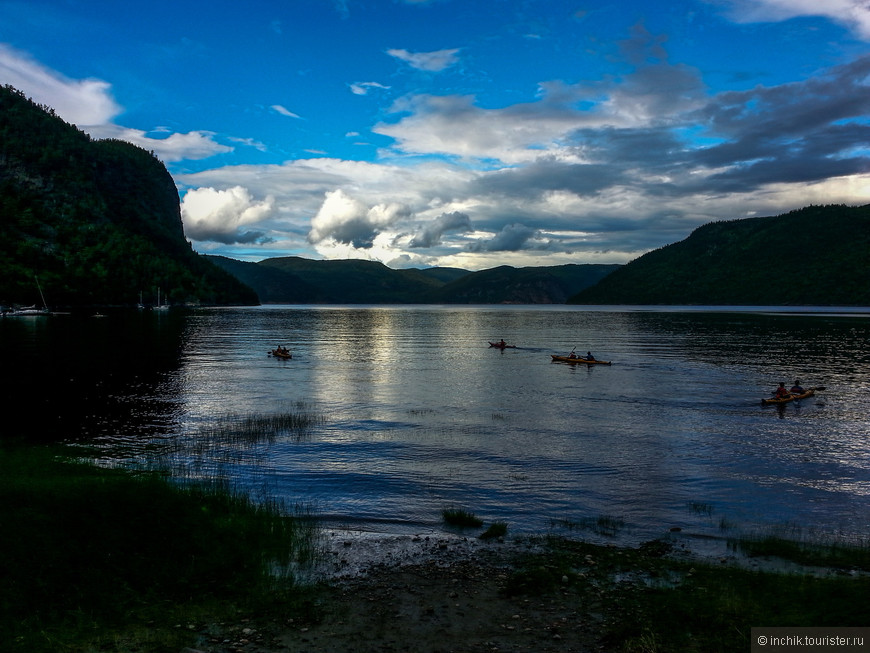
(88, 104)
(854, 14)
(224, 216)
(348, 220)
(82, 102)
(432, 62)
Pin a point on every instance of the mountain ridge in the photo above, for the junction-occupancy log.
(294, 279)
(817, 255)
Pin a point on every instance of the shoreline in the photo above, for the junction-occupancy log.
(438, 592)
(351, 553)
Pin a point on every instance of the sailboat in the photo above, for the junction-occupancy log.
(33, 310)
(160, 307)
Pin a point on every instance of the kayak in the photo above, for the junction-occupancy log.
(784, 400)
(499, 345)
(280, 354)
(568, 359)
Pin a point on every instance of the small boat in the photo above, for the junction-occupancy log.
(502, 345)
(28, 311)
(577, 359)
(280, 353)
(772, 401)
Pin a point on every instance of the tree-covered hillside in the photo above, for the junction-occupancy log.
(356, 281)
(296, 280)
(819, 255)
(532, 285)
(97, 222)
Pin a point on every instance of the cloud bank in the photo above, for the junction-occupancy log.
(597, 169)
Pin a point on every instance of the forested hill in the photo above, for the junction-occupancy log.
(294, 280)
(819, 255)
(97, 222)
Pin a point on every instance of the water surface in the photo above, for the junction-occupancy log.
(419, 413)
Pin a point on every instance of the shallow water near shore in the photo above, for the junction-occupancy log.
(413, 412)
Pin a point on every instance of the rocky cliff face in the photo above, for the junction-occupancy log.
(98, 221)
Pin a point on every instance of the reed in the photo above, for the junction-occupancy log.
(207, 451)
(495, 530)
(461, 518)
(254, 428)
(87, 550)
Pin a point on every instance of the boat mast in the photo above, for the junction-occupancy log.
(44, 305)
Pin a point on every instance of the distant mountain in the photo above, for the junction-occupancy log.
(298, 280)
(819, 255)
(97, 222)
(295, 280)
(532, 285)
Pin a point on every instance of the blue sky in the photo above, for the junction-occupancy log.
(463, 133)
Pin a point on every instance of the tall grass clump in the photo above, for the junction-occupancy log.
(207, 450)
(84, 549)
(253, 428)
(461, 518)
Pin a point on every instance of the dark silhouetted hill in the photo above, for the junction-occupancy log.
(97, 222)
(298, 280)
(816, 256)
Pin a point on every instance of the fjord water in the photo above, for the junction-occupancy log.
(416, 413)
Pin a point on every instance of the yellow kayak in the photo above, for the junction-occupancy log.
(785, 400)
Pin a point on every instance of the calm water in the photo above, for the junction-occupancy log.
(420, 414)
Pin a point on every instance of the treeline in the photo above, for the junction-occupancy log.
(816, 256)
(97, 222)
(295, 280)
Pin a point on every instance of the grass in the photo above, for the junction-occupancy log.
(108, 559)
(461, 518)
(820, 554)
(648, 602)
(211, 449)
(246, 430)
(90, 555)
(495, 530)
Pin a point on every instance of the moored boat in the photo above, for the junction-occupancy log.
(575, 359)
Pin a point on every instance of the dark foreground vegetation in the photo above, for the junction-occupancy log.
(100, 559)
(109, 559)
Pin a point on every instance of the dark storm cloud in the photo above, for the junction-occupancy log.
(791, 133)
(548, 175)
(431, 234)
(512, 238)
(204, 232)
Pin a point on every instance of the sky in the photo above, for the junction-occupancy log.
(463, 133)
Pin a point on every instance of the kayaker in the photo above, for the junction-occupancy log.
(797, 389)
(781, 392)
(589, 356)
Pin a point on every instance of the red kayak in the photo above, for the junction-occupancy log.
(587, 361)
